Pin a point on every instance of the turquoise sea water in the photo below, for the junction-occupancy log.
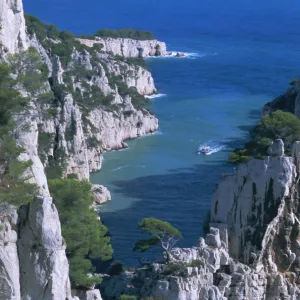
(243, 54)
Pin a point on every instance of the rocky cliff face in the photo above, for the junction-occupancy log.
(252, 249)
(85, 126)
(32, 253)
(94, 108)
(286, 102)
(247, 201)
(128, 47)
(12, 30)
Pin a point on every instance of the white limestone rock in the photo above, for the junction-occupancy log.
(26, 135)
(44, 268)
(276, 148)
(12, 26)
(71, 139)
(57, 70)
(101, 193)
(9, 261)
(113, 129)
(129, 47)
(249, 199)
(213, 238)
(33, 42)
(89, 295)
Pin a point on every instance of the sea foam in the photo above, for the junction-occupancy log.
(189, 55)
(156, 96)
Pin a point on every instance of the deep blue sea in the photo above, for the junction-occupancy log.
(242, 54)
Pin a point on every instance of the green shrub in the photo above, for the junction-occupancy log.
(127, 297)
(278, 125)
(72, 176)
(196, 263)
(126, 33)
(13, 186)
(34, 25)
(85, 236)
(116, 269)
(56, 164)
(45, 142)
(31, 73)
(92, 142)
(176, 269)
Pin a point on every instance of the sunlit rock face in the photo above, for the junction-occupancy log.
(12, 26)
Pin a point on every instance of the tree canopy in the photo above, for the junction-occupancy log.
(162, 234)
(126, 33)
(85, 235)
(279, 124)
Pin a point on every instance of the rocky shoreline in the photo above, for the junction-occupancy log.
(93, 102)
(239, 258)
(32, 250)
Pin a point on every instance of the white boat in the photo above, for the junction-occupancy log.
(204, 149)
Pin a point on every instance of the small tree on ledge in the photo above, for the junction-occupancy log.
(162, 234)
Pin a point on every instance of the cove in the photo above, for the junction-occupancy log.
(214, 96)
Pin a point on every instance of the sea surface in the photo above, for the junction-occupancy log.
(241, 54)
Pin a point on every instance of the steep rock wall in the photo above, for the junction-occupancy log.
(12, 26)
(9, 261)
(83, 135)
(247, 201)
(128, 47)
(44, 269)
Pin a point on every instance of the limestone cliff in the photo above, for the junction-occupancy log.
(91, 102)
(252, 249)
(128, 47)
(12, 30)
(247, 201)
(97, 111)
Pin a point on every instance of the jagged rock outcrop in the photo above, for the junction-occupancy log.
(84, 135)
(200, 273)
(44, 268)
(248, 200)
(89, 295)
(101, 193)
(12, 26)
(26, 136)
(114, 129)
(128, 47)
(9, 261)
(252, 249)
(33, 263)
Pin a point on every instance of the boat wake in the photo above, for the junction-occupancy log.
(213, 147)
(190, 55)
(155, 96)
(119, 168)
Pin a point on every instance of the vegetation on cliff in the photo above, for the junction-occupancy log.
(26, 72)
(278, 125)
(85, 235)
(63, 44)
(122, 33)
(162, 234)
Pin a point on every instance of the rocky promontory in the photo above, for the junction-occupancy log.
(251, 250)
(128, 47)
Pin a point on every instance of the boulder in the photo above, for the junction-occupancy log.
(89, 295)
(101, 193)
(213, 238)
(180, 54)
(276, 148)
